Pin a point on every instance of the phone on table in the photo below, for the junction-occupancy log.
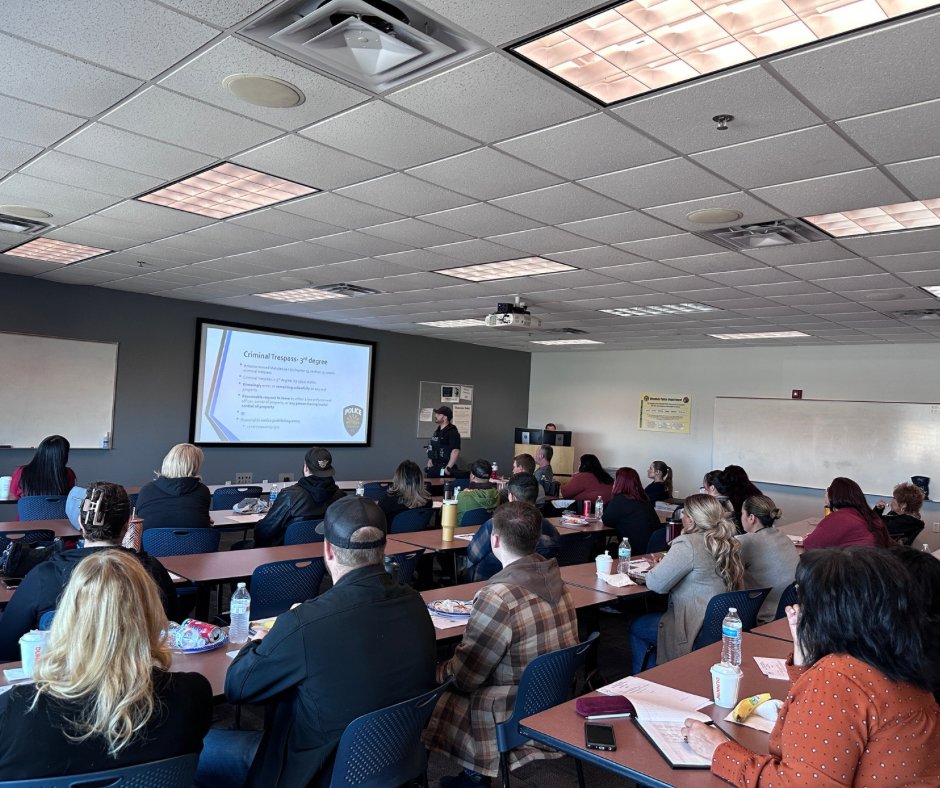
(12, 582)
(599, 736)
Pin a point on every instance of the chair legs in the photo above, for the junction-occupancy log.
(504, 770)
(580, 768)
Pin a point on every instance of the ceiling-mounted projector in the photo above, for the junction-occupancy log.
(512, 316)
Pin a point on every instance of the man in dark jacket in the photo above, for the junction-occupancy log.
(365, 644)
(103, 518)
(306, 500)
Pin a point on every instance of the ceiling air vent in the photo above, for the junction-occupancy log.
(563, 331)
(917, 314)
(375, 45)
(784, 232)
(17, 224)
(342, 288)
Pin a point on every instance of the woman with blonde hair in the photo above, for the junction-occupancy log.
(104, 695)
(769, 556)
(704, 560)
(177, 498)
(407, 491)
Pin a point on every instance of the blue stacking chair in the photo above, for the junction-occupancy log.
(45, 620)
(41, 507)
(411, 520)
(160, 542)
(176, 772)
(575, 549)
(403, 566)
(788, 597)
(28, 537)
(747, 603)
(545, 682)
(384, 747)
(657, 542)
(303, 532)
(475, 517)
(278, 585)
(227, 497)
(375, 490)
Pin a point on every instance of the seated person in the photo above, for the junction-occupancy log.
(117, 705)
(660, 488)
(525, 463)
(104, 517)
(630, 512)
(543, 470)
(483, 563)
(589, 482)
(480, 493)
(851, 521)
(523, 612)
(714, 484)
(738, 487)
(903, 520)
(407, 491)
(177, 498)
(306, 500)
(924, 570)
(858, 710)
(47, 473)
(365, 644)
(769, 555)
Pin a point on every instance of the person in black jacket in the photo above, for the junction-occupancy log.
(306, 500)
(104, 515)
(177, 498)
(630, 512)
(365, 644)
(903, 520)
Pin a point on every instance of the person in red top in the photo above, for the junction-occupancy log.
(859, 711)
(852, 521)
(590, 481)
(46, 473)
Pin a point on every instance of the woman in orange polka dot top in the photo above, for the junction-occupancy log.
(858, 712)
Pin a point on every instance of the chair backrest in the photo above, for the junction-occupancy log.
(545, 682)
(384, 747)
(657, 542)
(575, 549)
(278, 585)
(161, 542)
(747, 603)
(475, 517)
(30, 537)
(45, 620)
(402, 566)
(375, 490)
(411, 520)
(906, 535)
(303, 532)
(227, 497)
(41, 507)
(169, 773)
(788, 597)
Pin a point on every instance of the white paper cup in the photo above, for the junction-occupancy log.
(32, 646)
(726, 683)
(5, 482)
(604, 564)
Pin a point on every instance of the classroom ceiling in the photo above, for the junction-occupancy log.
(487, 160)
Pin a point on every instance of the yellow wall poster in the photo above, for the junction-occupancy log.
(662, 413)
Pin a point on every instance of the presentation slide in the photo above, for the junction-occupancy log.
(265, 387)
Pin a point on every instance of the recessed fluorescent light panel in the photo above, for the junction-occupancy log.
(765, 335)
(55, 251)
(467, 323)
(566, 342)
(652, 311)
(301, 294)
(883, 219)
(644, 45)
(226, 190)
(507, 269)
(934, 290)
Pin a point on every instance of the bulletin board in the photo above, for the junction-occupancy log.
(457, 396)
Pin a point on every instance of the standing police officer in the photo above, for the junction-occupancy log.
(444, 448)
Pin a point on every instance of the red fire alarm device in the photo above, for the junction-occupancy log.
(796, 394)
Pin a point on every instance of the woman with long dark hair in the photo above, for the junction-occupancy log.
(590, 481)
(630, 512)
(851, 522)
(734, 483)
(859, 710)
(47, 473)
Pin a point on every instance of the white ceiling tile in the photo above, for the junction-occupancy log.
(34, 124)
(542, 240)
(878, 69)
(846, 284)
(405, 140)
(852, 266)
(595, 257)
(13, 153)
(223, 238)
(341, 211)
(585, 147)
(921, 177)
(491, 98)
(814, 252)
(831, 193)
(141, 39)
(832, 309)
(785, 157)
(412, 232)
(20, 265)
(73, 234)
(780, 289)
(621, 227)
(418, 260)
(64, 83)
(361, 244)
(484, 173)
(897, 135)
(901, 242)
(400, 192)
(72, 275)
(658, 184)
(682, 117)
(289, 225)
(155, 218)
(65, 203)
(754, 276)
(900, 263)
(639, 272)
(357, 270)
(223, 13)
(481, 219)
(670, 246)
(477, 251)
(62, 168)
(752, 210)
(921, 279)
(202, 78)
(566, 202)
(712, 263)
(675, 284)
(103, 225)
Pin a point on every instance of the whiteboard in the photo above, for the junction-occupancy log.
(55, 386)
(807, 443)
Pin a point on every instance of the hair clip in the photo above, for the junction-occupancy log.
(92, 506)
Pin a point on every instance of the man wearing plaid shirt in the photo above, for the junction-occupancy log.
(523, 612)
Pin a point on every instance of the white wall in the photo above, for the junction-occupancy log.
(596, 395)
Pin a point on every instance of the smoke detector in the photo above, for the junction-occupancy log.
(376, 45)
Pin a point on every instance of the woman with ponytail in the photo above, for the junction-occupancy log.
(660, 488)
(704, 560)
(769, 556)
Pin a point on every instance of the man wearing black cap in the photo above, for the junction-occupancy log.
(444, 448)
(365, 644)
(306, 500)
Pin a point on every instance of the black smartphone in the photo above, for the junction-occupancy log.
(598, 736)
(12, 582)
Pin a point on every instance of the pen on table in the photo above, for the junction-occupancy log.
(608, 716)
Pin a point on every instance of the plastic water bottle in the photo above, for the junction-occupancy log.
(623, 556)
(599, 507)
(241, 610)
(360, 489)
(731, 638)
(272, 496)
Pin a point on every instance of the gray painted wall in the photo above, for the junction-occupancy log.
(154, 383)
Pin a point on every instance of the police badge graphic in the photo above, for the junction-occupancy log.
(352, 419)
